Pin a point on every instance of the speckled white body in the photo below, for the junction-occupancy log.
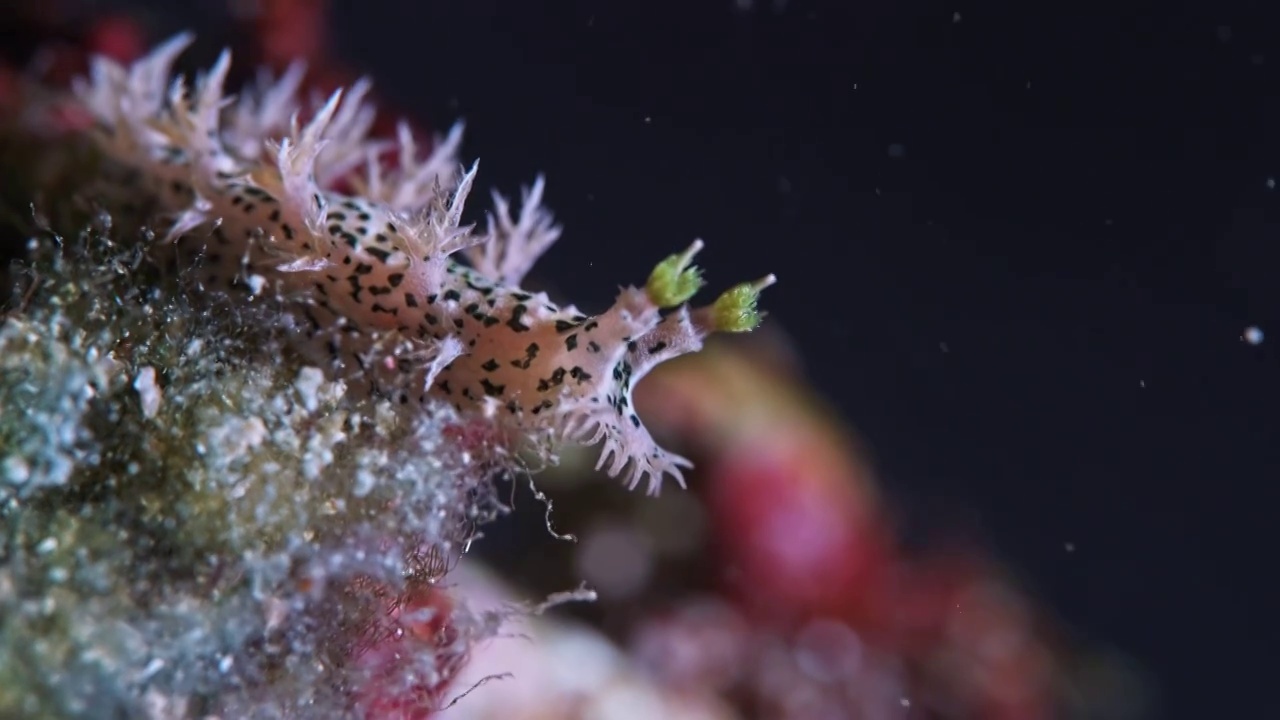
(378, 294)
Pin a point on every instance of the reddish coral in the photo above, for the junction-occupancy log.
(806, 543)
(410, 652)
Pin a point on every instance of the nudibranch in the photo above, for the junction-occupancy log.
(363, 247)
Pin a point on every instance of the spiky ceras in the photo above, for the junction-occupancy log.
(244, 185)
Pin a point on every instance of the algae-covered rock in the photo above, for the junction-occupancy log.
(194, 522)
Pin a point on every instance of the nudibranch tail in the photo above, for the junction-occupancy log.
(371, 254)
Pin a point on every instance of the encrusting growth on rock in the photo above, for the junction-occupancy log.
(314, 212)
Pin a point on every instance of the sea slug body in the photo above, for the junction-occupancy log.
(253, 193)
